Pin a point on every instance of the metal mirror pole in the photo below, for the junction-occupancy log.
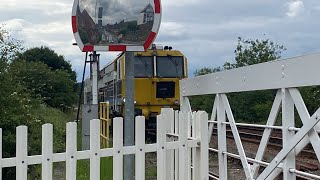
(95, 62)
(129, 115)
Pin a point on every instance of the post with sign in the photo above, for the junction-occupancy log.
(103, 25)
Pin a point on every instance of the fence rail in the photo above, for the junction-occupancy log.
(172, 148)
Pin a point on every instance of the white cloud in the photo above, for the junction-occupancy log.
(295, 8)
(56, 35)
(205, 31)
(173, 28)
(168, 3)
(14, 24)
(34, 33)
(49, 7)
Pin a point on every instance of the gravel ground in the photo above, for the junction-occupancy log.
(59, 171)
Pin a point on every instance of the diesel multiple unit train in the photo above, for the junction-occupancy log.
(157, 73)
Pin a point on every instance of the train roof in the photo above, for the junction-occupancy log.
(149, 52)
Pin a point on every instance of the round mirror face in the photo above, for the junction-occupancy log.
(115, 24)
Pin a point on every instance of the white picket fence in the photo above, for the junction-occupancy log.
(182, 149)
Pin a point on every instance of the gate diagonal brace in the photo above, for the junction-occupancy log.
(237, 139)
(266, 133)
(291, 145)
(305, 116)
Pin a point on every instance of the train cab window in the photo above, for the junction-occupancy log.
(143, 66)
(169, 66)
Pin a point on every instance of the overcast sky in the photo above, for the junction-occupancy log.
(205, 31)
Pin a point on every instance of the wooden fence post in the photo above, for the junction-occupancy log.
(71, 151)
(118, 148)
(189, 134)
(140, 147)
(197, 154)
(194, 150)
(94, 149)
(22, 153)
(161, 147)
(47, 151)
(183, 148)
(0, 154)
(204, 145)
(176, 151)
(169, 121)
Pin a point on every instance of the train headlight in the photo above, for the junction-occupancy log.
(124, 100)
(176, 101)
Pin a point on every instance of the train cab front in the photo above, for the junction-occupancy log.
(157, 82)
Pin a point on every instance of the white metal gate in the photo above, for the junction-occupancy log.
(284, 75)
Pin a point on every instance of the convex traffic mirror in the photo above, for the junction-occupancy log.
(115, 25)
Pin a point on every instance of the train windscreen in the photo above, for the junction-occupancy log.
(143, 66)
(170, 66)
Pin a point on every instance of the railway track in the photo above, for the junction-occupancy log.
(254, 135)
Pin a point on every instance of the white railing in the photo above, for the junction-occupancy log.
(173, 149)
(284, 75)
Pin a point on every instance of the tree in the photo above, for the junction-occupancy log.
(9, 46)
(55, 82)
(23, 86)
(206, 70)
(204, 102)
(247, 106)
(48, 57)
(253, 106)
(249, 52)
(54, 87)
(311, 96)
(15, 104)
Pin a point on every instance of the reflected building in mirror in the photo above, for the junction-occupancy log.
(146, 15)
(86, 27)
(102, 25)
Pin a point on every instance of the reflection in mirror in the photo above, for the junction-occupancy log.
(108, 22)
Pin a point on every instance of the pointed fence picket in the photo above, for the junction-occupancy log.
(71, 151)
(22, 152)
(0, 154)
(140, 148)
(47, 151)
(173, 144)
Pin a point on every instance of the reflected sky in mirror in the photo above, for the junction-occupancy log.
(111, 22)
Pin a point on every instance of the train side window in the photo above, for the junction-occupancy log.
(118, 70)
